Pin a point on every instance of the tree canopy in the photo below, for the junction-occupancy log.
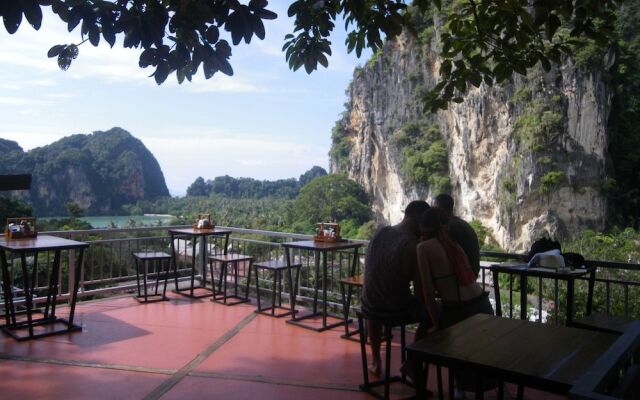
(329, 198)
(481, 40)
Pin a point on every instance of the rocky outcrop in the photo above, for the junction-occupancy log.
(100, 172)
(525, 158)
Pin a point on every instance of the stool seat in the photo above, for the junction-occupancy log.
(357, 280)
(152, 255)
(224, 258)
(277, 267)
(142, 261)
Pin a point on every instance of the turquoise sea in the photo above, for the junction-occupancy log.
(124, 221)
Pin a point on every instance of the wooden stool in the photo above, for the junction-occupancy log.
(387, 335)
(346, 290)
(277, 267)
(221, 295)
(142, 260)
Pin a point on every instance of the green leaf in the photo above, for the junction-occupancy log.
(32, 11)
(55, 50)
(12, 16)
(162, 71)
(212, 34)
(552, 25)
(94, 35)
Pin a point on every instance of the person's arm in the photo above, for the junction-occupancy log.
(425, 286)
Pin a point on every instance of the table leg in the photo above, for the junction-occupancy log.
(55, 271)
(27, 292)
(6, 290)
(346, 300)
(145, 271)
(34, 276)
(203, 261)
(317, 282)
(193, 264)
(74, 295)
(174, 261)
(292, 284)
(439, 379)
(137, 262)
(523, 297)
(592, 281)
(570, 299)
(496, 292)
(421, 375)
(324, 289)
(451, 385)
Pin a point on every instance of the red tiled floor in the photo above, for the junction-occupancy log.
(185, 349)
(31, 380)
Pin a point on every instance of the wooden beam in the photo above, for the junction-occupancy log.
(15, 182)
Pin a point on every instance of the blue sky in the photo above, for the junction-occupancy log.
(265, 122)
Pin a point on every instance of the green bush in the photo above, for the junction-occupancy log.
(424, 160)
(550, 180)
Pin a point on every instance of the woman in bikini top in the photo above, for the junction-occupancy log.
(445, 273)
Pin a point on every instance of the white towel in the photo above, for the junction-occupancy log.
(538, 258)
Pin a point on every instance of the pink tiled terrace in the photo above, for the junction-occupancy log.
(185, 349)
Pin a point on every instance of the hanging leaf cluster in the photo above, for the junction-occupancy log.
(482, 42)
(176, 36)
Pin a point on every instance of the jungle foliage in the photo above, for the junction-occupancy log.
(106, 169)
(253, 188)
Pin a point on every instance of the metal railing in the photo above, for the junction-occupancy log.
(109, 268)
(616, 290)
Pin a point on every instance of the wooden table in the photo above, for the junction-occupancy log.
(194, 235)
(320, 249)
(521, 270)
(48, 324)
(547, 357)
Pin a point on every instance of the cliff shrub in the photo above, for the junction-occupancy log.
(550, 180)
(424, 160)
(341, 145)
(538, 126)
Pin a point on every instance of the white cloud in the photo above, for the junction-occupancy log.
(62, 95)
(15, 101)
(9, 86)
(220, 83)
(29, 139)
(41, 82)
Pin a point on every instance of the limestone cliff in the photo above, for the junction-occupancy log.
(524, 158)
(100, 172)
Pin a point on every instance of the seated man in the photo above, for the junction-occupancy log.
(460, 231)
(390, 267)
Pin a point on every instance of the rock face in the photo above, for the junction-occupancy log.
(525, 158)
(100, 172)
